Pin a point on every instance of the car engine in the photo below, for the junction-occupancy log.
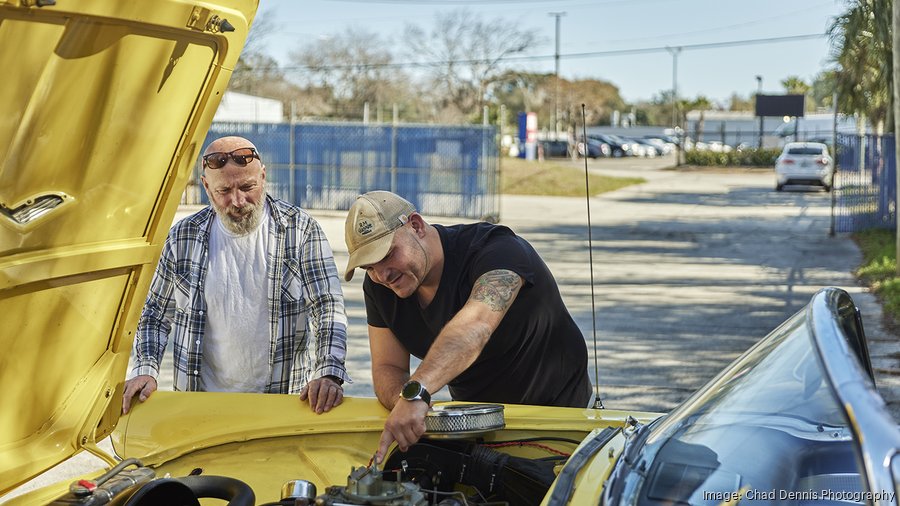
(451, 466)
(432, 472)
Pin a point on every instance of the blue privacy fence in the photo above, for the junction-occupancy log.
(865, 188)
(442, 170)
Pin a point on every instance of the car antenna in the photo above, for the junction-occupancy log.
(598, 404)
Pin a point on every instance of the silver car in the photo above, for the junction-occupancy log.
(804, 163)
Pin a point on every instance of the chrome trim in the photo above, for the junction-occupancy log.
(838, 338)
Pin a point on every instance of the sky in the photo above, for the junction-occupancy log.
(591, 27)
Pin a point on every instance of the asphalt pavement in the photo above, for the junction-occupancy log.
(691, 268)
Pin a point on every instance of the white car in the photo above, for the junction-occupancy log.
(805, 163)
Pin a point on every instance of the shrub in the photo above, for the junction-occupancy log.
(750, 157)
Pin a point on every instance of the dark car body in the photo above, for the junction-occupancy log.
(555, 149)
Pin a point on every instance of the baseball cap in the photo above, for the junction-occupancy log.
(371, 223)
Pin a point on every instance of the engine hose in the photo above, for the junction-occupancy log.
(486, 465)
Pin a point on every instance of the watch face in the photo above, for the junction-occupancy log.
(411, 390)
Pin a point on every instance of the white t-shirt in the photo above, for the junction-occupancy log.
(236, 342)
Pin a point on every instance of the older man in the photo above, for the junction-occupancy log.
(475, 302)
(242, 288)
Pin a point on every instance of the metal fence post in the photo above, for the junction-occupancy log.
(394, 150)
(497, 175)
(291, 155)
(484, 160)
(834, 158)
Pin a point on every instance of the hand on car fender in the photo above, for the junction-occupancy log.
(323, 393)
(405, 425)
(143, 385)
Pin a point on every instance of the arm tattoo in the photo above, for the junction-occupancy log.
(496, 289)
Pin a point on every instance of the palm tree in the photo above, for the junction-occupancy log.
(862, 50)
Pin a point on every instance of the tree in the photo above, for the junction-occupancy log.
(701, 104)
(738, 103)
(600, 98)
(822, 89)
(465, 56)
(862, 49)
(524, 91)
(257, 73)
(795, 85)
(254, 66)
(355, 67)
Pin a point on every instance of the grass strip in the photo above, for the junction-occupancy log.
(555, 178)
(879, 268)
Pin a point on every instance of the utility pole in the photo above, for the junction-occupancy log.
(674, 52)
(758, 93)
(557, 15)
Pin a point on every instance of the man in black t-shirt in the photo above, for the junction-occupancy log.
(475, 302)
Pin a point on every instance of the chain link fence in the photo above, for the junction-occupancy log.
(865, 188)
(442, 170)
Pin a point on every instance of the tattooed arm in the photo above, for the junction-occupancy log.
(453, 351)
(465, 335)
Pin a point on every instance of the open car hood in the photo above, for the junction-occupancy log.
(106, 104)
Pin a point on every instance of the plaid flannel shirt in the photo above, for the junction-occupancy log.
(304, 295)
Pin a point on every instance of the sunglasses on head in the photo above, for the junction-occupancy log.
(241, 156)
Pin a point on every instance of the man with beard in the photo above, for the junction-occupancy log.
(242, 287)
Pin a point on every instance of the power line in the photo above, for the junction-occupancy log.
(591, 54)
(668, 36)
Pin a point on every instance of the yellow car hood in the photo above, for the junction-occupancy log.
(105, 105)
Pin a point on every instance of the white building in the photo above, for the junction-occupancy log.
(240, 107)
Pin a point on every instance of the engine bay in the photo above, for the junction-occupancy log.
(445, 472)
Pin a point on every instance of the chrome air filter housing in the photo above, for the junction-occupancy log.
(455, 421)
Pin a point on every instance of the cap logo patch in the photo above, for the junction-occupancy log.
(364, 227)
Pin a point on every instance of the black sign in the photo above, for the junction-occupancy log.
(780, 105)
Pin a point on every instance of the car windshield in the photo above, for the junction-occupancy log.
(767, 430)
(804, 151)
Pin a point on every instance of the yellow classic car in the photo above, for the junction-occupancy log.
(106, 104)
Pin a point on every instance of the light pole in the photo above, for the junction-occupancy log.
(674, 52)
(758, 93)
(679, 148)
(557, 15)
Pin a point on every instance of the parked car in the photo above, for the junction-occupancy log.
(663, 147)
(618, 147)
(93, 177)
(651, 150)
(804, 163)
(632, 147)
(555, 149)
(595, 148)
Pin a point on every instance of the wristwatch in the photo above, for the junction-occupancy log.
(413, 391)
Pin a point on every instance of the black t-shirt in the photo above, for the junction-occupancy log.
(536, 356)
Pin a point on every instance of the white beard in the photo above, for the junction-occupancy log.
(240, 221)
